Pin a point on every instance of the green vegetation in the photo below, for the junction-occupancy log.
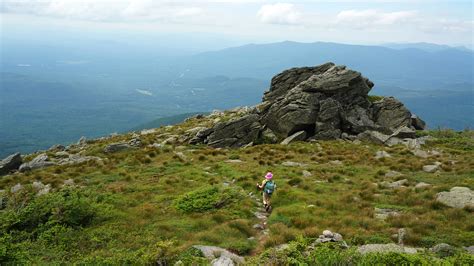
(146, 205)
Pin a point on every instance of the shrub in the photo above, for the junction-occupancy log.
(205, 199)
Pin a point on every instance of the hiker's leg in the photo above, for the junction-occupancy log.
(264, 199)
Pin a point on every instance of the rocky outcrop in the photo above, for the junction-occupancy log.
(40, 161)
(322, 102)
(10, 163)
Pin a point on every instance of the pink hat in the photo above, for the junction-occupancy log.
(269, 175)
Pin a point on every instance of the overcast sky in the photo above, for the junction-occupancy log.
(351, 21)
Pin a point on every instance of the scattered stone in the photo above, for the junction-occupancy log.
(37, 185)
(57, 147)
(212, 253)
(385, 248)
(457, 197)
(156, 145)
(181, 156)
(469, 250)
(16, 188)
(383, 214)
(393, 174)
(443, 250)
(82, 141)
(306, 173)
(293, 164)
(382, 154)
(234, 161)
(116, 147)
(401, 235)
(373, 136)
(298, 136)
(404, 133)
(222, 261)
(422, 185)
(77, 159)
(329, 236)
(258, 226)
(69, 182)
(148, 131)
(417, 123)
(393, 185)
(336, 162)
(45, 190)
(172, 140)
(420, 153)
(135, 142)
(40, 161)
(10, 163)
(431, 168)
(61, 154)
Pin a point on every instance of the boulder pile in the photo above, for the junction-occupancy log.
(322, 102)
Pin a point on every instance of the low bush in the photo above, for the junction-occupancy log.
(205, 199)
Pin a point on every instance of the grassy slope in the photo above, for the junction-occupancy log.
(135, 194)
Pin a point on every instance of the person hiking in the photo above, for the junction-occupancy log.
(268, 187)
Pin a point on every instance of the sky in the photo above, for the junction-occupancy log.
(234, 22)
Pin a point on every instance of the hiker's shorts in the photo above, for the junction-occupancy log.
(266, 198)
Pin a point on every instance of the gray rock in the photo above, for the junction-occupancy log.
(40, 161)
(234, 161)
(327, 233)
(57, 147)
(336, 162)
(16, 188)
(469, 250)
(420, 153)
(181, 156)
(457, 197)
(384, 248)
(268, 136)
(235, 133)
(306, 173)
(77, 159)
(293, 164)
(431, 168)
(383, 214)
(422, 185)
(45, 190)
(298, 136)
(382, 154)
(393, 185)
(392, 174)
(222, 261)
(82, 141)
(404, 132)
(116, 147)
(69, 182)
(135, 142)
(10, 163)
(417, 122)
(443, 250)
(392, 114)
(212, 253)
(373, 136)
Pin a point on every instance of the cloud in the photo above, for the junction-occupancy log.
(372, 17)
(279, 13)
(104, 10)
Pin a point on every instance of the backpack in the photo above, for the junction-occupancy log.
(269, 187)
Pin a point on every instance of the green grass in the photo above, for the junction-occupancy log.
(144, 204)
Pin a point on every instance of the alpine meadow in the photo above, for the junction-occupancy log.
(253, 132)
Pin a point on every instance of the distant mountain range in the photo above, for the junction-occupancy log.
(58, 95)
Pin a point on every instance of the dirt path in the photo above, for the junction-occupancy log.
(262, 216)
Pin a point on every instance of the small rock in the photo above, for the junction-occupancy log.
(181, 156)
(258, 226)
(306, 173)
(327, 233)
(292, 164)
(401, 235)
(469, 250)
(45, 190)
(431, 168)
(40, 161)
(16, 188)
(392, 174)
(422, 185)
(69, 182)
(222, 261)
(148, 131)
(383, 214)
(336, 162)
(116, 147)
(233, 161)
(57, 147)
(37, 185)
(82, 141)
(443, 250)
(382, 154)
(156, 145)
(135, 142)
(383, 248)
(420, 153)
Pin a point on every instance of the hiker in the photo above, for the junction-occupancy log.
(268, 187)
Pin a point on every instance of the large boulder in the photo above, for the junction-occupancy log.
(10, 163)
(220, 256)
(457, 197)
